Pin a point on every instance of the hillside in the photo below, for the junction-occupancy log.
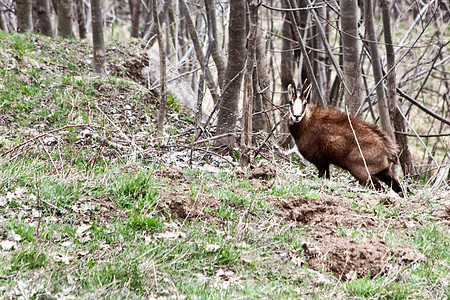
(93, 206)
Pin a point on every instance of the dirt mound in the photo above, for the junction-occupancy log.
(263, 171)
(346, 258)
(100, 209)
(325, 213)
(328, 247)
(171, 173)
(349, 259)
(183, 206)
(133, 67)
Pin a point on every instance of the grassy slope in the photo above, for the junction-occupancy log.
(91, 221)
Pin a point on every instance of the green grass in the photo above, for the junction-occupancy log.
(379, 288)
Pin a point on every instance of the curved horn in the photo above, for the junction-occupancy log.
(292, 93)
(306, 91)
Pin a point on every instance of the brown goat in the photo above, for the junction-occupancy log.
(324, 137)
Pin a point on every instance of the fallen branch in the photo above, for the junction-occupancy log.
(213, 138)
(119, 130)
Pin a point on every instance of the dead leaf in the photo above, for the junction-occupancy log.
(170, 235)
(82, 228)
(62, 258)
(212, 247)
(12, 235)
(7, 245)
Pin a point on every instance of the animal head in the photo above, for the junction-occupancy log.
(297, 107)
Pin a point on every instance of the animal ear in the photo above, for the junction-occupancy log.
(306, 91)
(291, 92)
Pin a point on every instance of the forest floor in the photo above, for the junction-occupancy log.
(93, 206)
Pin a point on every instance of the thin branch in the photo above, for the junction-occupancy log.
(270, 134)
(423, 143)
(418, 104)
(290, 9)
(359, 147)
(422, 135)
(309, 67)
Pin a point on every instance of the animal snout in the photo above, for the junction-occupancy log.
(296, 118)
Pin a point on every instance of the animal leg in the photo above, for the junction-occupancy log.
(324, 170)
(363, 178)
(387, 177)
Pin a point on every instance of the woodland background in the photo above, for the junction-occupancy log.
(390, 55)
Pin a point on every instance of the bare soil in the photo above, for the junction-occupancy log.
(326, 245)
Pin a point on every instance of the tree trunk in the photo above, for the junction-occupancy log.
(43, 23)
(198, 49)
(162, 70)
(261, 120)
(319, 55)
(168, 32)
(351, 50)
(219, 58)
(147, 15)
(228, 109)
(306, 61)
(376, 66)
(65, 28)
(81, 18)
(287, 77)
(97, 36)
(247, 107)
(151, 32)
(136, 11)
(3, 24)
(406, 160)
(23, 13)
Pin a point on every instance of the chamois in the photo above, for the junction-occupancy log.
(325, 136)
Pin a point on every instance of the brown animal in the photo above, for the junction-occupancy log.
(324, 137)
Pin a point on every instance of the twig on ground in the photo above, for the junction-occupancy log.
(38, 196)
(45, 134)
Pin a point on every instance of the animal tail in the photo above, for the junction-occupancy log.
(389, 145)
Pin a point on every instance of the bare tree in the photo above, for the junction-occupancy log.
(65, 27)
(219, 58)
(151, 31)
(136, 10)
(319, 55)
(162, 69)
(23, 13)
(98, 36)
(43, 23)
(246, 137)
(3, 24)
(351, 50)
(395, 106)
(228, 109)
(262, 97)
(287, 76)
(81, 18)
(376, 66)
(198, 50)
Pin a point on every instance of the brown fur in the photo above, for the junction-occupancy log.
(324, 137)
